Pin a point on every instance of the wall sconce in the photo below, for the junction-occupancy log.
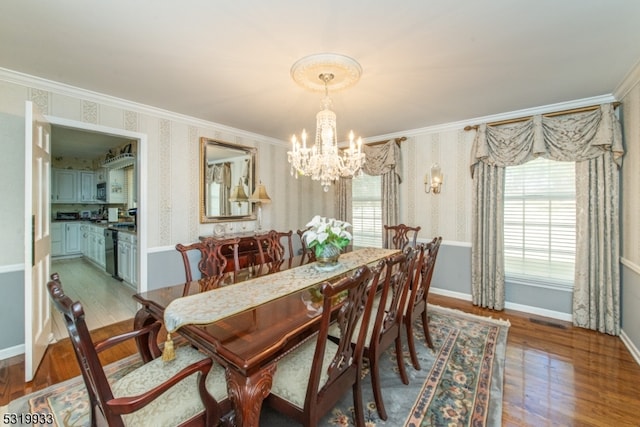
(433, 183)
(259, 197)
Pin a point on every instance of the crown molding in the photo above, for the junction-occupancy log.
(455, 126)
(629, 82)
(112, 101)
(64, 89)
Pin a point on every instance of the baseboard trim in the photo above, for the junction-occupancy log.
(511, 306)
(635, 352)
(8, 352)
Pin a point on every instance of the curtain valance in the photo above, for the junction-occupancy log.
(382, 159)
(573, 137)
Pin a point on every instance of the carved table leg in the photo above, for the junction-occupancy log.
(247, 393)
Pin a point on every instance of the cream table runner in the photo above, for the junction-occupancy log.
(216, 304)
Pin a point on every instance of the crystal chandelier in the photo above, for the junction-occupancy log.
(324, 161)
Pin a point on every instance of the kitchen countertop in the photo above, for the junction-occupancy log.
(105, 224)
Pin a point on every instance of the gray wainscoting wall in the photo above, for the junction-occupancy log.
(12, 309)
(630, 278)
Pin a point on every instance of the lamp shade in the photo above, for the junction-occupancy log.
(260, 195)
(238, 194)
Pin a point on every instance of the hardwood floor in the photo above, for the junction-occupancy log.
(555, 374)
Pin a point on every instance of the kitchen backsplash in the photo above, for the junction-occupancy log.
(95, 209)
(62, 162)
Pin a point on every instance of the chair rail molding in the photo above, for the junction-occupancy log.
(630, 264)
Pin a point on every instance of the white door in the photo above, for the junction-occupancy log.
(37, 312)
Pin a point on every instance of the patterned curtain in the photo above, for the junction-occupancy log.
(596, 296)
(382, 159)
(343, 208)
(222, 176)
(594, 141)
(487, 260)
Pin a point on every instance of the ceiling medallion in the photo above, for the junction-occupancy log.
(346, 71)
(324, 161)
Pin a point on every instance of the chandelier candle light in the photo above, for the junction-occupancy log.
(324, 161)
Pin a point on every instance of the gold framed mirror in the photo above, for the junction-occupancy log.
(227, 179)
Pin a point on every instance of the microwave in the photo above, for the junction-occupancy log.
(101, 191)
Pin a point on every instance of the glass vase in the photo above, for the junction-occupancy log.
(328, 257)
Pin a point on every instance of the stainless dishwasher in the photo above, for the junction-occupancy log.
(111, 252)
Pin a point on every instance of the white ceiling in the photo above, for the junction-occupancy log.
(68, 142)
(425, 62)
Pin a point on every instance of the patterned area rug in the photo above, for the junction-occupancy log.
(460, 383)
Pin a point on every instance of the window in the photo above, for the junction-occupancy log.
(540, 223)
(366, 194)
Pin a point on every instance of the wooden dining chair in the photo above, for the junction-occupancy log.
(312, 377)
(213, 258)
(399, 236)
(285, 240)
(308, 254)
(417, 300)
(385, 323)
(189, 390)
(274, 248)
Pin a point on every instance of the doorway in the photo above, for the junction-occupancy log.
(105, 299)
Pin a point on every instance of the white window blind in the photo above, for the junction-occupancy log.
(539, 223)
(366, 195)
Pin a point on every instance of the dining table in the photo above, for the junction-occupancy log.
(249, 319)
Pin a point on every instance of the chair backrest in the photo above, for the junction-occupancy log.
(185, 251)
(213, 257)
(308, 255)
(427, 267)
(416, 289)
(285, 240)
(274, 246)
(95, 379)
(399, 236)
(393, 294)
(346, 366)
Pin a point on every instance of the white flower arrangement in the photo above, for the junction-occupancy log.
(323, 232)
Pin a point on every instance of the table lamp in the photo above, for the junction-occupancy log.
(259, 197)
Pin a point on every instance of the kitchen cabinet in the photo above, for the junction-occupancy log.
(127, 257)
(84, 239)
(95, 244)
(57, 239)
(73, 186)
(134, 263)
(64, 186)
(87, 187)
(72, 239)
(124, 261)
(101, 256)
(66, 239)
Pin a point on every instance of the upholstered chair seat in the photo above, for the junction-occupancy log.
(295, 368)
(181, 402)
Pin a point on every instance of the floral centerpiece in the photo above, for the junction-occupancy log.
(327, 238)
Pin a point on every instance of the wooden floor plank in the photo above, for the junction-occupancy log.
(555, 374)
